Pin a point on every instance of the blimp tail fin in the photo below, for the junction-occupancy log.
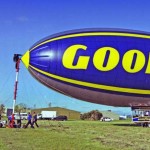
(25, 59)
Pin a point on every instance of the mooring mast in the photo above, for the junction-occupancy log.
(16, 59)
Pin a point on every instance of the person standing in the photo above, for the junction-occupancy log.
(35, 119)
(18, 118)
(10, 120)
(29, 121)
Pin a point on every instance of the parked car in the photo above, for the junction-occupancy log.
(60, 118)
(39, 116)
(122, 117)
(107, 119)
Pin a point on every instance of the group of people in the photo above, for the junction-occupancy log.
(31, 118)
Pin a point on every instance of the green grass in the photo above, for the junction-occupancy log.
(77, 135)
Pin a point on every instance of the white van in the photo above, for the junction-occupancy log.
(22, 115)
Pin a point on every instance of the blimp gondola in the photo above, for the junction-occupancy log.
(103, 66)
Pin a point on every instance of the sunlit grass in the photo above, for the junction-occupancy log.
(77, 135)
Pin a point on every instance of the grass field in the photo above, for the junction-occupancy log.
(77, 135)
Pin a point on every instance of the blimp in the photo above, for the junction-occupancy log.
(103, 66)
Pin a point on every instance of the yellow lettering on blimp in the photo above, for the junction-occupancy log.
(106, 59)
(100, 56)
(69, 56)
(128, 61)
(148, 66)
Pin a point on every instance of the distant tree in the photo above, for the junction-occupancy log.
(49, 104)
(17, 108)
(34, 106)
(2, 108)
(21, 107)
(92, 115)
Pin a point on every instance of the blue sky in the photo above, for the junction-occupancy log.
(24, 22)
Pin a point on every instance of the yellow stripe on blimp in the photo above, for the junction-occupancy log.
(93, 34)
(93, 85)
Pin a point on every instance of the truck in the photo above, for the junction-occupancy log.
(141, 115)
(49, 115)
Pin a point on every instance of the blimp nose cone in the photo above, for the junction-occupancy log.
(25, 59)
